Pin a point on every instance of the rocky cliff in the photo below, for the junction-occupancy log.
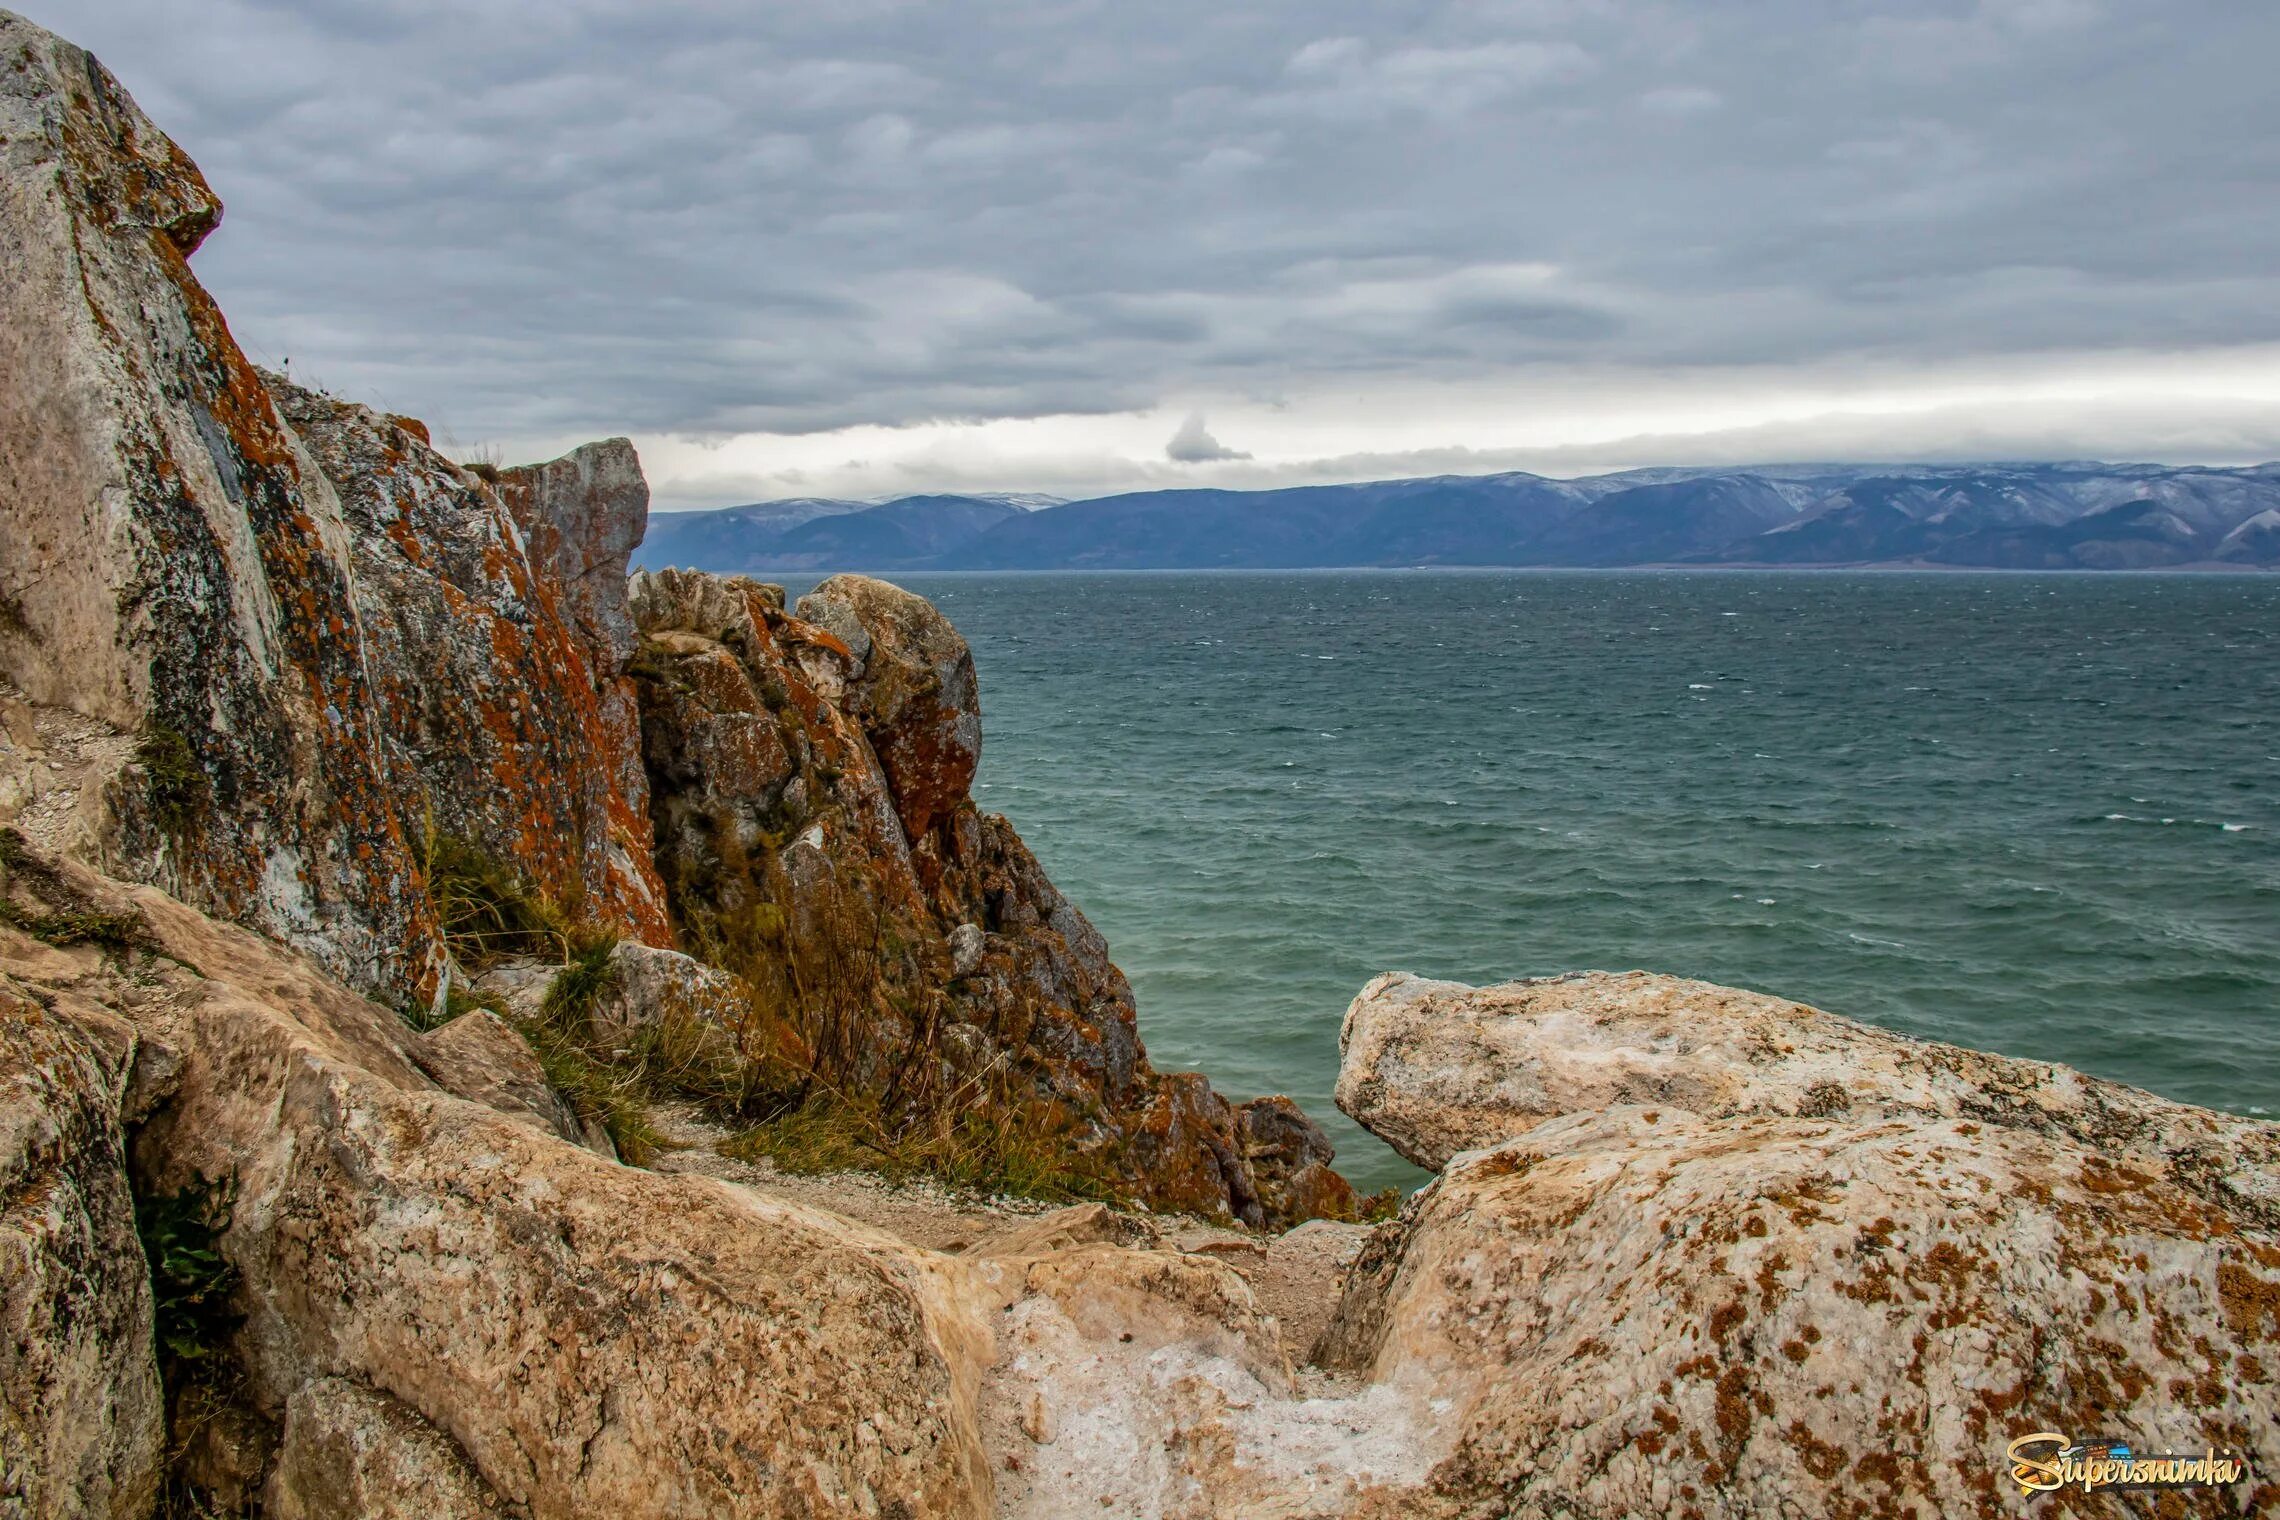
(424, 958)
(371, 691)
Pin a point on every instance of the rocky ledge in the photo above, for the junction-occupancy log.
(426, 957)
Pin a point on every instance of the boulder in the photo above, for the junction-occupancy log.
(82, 1422)
(348, 1453)
(1644, 1311)
(1438, 1067)
(589, 1338)
(484, 1059)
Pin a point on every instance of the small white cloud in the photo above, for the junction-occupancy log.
(1680, 100)
(1193, 444)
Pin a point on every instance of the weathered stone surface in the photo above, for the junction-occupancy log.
(1439, 1067)
(175, 560)
(498, 670)
(1289, 1157)
(1084, 1224)
(482, 1058)
(81, 1417)
(334, 638)
(438, 1299)
(1643, 1311)
(911, 685)
(351, 1454)
(594, 1339)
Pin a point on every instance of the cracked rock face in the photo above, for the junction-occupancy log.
(1645, 1311)
(330, 635)
(81, 1419)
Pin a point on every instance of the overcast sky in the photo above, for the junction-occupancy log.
(851, 247)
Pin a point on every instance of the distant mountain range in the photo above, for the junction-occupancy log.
(2070, 516)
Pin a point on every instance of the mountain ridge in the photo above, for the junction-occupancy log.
(2074, 514)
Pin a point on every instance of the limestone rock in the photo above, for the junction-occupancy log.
(351, 1454)
(1644, 1311)
(81, 1418)
(1438, 1067)
(913, 689)
(1083, 1224)
(176, 562)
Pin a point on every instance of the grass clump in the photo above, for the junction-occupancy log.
(63, 916)
(599, 1090)
(1004, 1146)
(174, 783)
(487, 911)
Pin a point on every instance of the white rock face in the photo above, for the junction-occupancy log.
(1439, 1067)
(1642, 1311)
(1706, 1252)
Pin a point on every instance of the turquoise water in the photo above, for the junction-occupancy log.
(2033, 814)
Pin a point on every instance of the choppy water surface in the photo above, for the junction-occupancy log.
(2034, 814)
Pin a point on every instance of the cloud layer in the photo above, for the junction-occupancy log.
(709, 223)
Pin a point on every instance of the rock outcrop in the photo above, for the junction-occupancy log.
(330, 641)
(809, 775)
(1435, 1068)
(434, 1298)
(1701, 1251)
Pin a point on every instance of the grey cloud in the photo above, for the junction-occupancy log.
(529, 219)
(1193, 444)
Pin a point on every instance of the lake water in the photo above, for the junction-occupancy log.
(2031, 814)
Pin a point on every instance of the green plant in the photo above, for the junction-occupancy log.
(190, 1279)
(598, 1090)
(487, 910)
(586, 977)
(1004, 1146)
(175, 783)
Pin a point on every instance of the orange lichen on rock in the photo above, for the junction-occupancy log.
(809, 780)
